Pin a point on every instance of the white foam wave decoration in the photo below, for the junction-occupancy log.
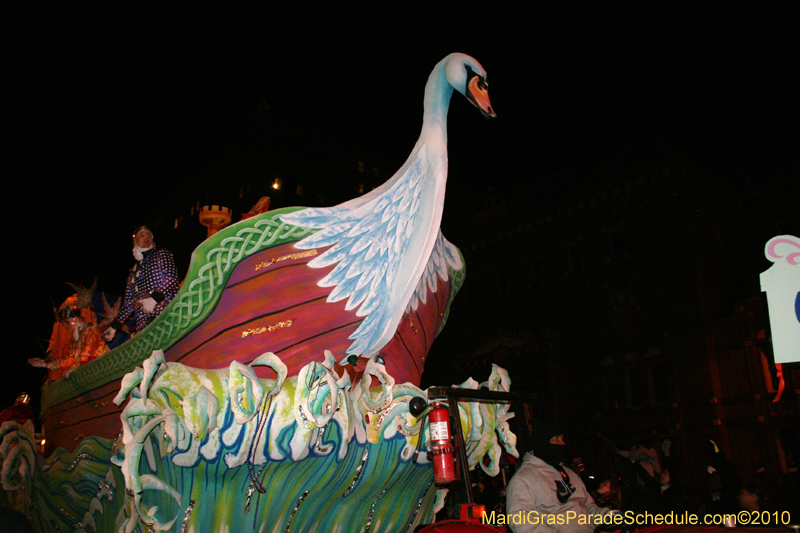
(134, 416)
(385, 423)
(486, 443)
(149, 454)
(137, 425)
(200, 413)
(483, 423)
(500, 380)
(17, 454)
(343, 414)
(107, 489)
(375, 401)
(136, 484)
(171, 431)
(438, 505)
(277, 400)
(208, 415)
(472, 421)
(149, 515)
(149, 369)
(316, 397)
(129, 382)
(94, 507)
(246, 391)
(122, 519)
(188, 449)
(88, 521)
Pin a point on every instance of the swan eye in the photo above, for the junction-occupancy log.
(472, 74)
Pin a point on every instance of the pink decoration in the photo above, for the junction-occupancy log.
(792, 258)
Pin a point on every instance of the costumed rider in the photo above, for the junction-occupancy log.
(76, 337)
(20, 412)
(152, 283)
(545, 495)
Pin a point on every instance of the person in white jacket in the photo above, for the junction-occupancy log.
(544, 496)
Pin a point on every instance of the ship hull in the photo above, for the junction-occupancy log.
(270, 301)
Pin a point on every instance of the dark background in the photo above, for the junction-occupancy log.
(113, 111)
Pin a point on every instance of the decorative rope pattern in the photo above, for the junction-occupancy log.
(212, 264)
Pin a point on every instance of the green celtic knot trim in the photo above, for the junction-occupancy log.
(212, 263)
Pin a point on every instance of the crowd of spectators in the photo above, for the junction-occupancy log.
(646, 476)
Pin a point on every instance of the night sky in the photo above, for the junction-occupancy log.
(110, 110)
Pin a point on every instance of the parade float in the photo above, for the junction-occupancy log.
(272, 394)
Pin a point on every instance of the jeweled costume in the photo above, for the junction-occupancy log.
(73, 346)
(154, 276)
(74, 352)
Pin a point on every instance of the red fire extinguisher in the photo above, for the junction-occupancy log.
(441, 452)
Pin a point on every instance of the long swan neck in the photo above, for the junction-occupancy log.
(437, 101)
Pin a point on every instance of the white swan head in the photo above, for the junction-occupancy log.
(468, 77)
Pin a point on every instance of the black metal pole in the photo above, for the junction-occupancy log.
(463, 465)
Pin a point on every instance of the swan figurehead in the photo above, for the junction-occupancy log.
(386, 245)
(468, 77)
